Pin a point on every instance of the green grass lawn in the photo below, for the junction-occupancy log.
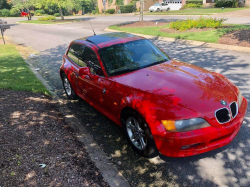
(15, 73)
(194, 11)
(206, 36)
(44, 22)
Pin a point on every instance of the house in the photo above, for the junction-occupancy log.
(210, 3)
(174, 4)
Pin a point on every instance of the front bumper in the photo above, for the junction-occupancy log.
(182, 144)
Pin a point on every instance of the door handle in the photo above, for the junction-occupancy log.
(104, 90)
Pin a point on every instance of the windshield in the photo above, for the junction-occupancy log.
(156, 4)
(131, 56)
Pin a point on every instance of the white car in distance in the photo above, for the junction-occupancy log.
(157, 7)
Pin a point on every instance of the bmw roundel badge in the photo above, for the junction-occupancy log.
(223, 102)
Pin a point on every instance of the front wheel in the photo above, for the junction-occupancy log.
(68, 88)
(158, 10)
(138, 134)
(168, 9)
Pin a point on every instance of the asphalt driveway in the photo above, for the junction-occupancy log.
(228, 166)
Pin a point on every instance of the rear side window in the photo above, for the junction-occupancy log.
(75, 53)
(85, 57)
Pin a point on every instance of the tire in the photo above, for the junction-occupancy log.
(158, 10)
(134, 125)
(68, 88)
(168, 9)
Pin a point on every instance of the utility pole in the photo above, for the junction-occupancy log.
(141, 10)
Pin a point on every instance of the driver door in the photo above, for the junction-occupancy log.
(91, 86)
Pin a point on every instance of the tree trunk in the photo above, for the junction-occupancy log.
(141, 10)
(60, 11)
(29, 14)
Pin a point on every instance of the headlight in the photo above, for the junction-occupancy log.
(239, 100)
(185, 125)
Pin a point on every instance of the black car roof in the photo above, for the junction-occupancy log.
(101, 38)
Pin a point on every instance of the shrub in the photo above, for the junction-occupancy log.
(15, 12)
(97, 10)
(192, 5)
(93, 12)
(40, 12)
(223, 3)
(5, 12)
(127, 8)
(32, 12)
(201, 22)
(110, 11)
(47, 18)
(57, 14)
(194, 2)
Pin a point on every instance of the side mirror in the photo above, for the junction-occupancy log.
(85, 71)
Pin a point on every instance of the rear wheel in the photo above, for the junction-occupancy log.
(168, 9)
(68, 88)
(158, 10)
(138, 134)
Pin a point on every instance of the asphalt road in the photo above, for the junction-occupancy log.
(228, 166)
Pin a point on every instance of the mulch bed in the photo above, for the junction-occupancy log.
(238, 38)
(33, 132)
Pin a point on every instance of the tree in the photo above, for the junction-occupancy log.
(23, 4)
(87, 4)
(59, 3)
(4, 4)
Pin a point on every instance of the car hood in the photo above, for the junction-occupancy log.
(178, 85)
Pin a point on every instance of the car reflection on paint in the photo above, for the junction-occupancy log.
(162, 104)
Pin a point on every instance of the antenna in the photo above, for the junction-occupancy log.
(92, 27)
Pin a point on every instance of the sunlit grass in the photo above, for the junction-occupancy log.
(15, 73)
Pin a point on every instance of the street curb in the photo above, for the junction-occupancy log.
(191, 42)
(109, 172)
(44, 24)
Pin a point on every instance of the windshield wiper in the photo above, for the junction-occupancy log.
(155, 63)
(125, 71)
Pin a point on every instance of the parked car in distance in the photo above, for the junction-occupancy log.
(162, 104)
(157, 7)
(24, 14)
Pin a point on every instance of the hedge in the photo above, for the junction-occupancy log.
(5, 12)
(110, 11)
(15, 12)
(41, 12)
(57, 14)
(219, 4)
(194, 2)
(126, 8)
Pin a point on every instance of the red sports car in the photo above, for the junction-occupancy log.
(162, 104)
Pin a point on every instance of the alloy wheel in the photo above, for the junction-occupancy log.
(136, 134)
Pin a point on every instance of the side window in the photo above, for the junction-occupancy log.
(90, 58)
(75, 53)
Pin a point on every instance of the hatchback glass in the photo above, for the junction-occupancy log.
(131, 56)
